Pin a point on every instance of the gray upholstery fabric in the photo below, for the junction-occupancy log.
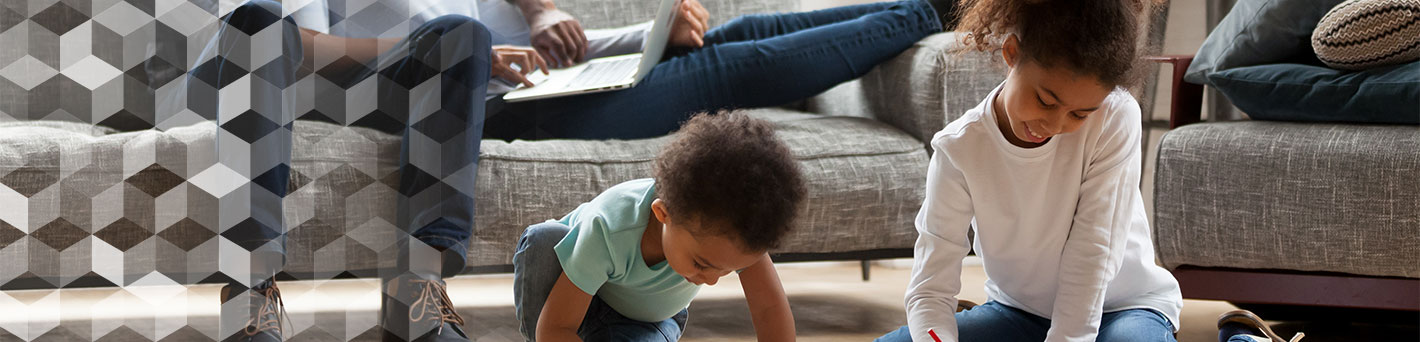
(66, 126)
(865, 185)
(1290, 196)
(79, 183)
(865, 180)
(913, 91)
(942, 76)
(615, 13)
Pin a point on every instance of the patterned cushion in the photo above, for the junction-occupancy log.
(1290, 196)
(1361, 34)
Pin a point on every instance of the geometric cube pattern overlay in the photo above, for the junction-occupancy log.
(140, 140)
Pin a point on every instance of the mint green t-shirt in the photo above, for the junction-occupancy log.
(602, 255)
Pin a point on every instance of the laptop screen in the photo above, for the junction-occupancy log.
(660, 35)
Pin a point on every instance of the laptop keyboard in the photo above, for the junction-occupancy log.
(604, 72)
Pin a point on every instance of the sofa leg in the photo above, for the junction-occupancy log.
(866, 266)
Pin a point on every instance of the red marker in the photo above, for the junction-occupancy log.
(934, 335)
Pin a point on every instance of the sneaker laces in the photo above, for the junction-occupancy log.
(271, 305)
(440, 304)
(1265, 338)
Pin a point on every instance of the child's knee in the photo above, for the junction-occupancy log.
(255, 15)
(1136, 325)
(271, 7)
(266, 4)
(542, 236)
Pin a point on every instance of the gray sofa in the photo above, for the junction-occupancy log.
(1274, 215)
(85, 205)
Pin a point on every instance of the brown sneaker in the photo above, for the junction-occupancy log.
(265, 312)
(1259, 330)
(963, 305)
(418, 309)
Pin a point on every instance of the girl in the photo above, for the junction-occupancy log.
(1046, 169)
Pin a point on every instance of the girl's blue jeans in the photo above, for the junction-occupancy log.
(994, 321)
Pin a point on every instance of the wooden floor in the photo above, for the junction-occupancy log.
(830, 303)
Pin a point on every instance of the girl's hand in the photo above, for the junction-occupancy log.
(526, 58)
(690, 24)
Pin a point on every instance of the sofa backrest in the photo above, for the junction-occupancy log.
(615, 13)
(939, 79)
(116, 63)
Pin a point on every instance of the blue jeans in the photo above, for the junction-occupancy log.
(435, 202)
(998, 322)
(751, 61)
(536, 269)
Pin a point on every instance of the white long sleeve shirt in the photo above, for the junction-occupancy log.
(1060, 228)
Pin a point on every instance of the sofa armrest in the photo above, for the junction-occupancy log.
(1186, 102)
(920, 90)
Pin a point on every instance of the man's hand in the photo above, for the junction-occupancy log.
(557, 36)
(690, 24)
(527, 59)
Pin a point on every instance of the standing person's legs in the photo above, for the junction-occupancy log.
(432, 84)
(989, 322)
(256, 144)
(741, 74)
(442, 133)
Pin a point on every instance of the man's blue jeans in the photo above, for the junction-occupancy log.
(994, 321)
(438, 149)
(536, 269)
(751, 61)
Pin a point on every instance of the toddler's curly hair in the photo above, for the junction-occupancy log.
(729, 169)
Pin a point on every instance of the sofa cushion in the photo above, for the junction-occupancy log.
(1299, 92)
(864, 179)
(40, 127)
(108, 208)
(865, 182)
(122, 207)
(1361, 34)
(920, 91)
(1258, 32)
(1290, 196)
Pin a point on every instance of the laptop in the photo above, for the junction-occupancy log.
(606, 73)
